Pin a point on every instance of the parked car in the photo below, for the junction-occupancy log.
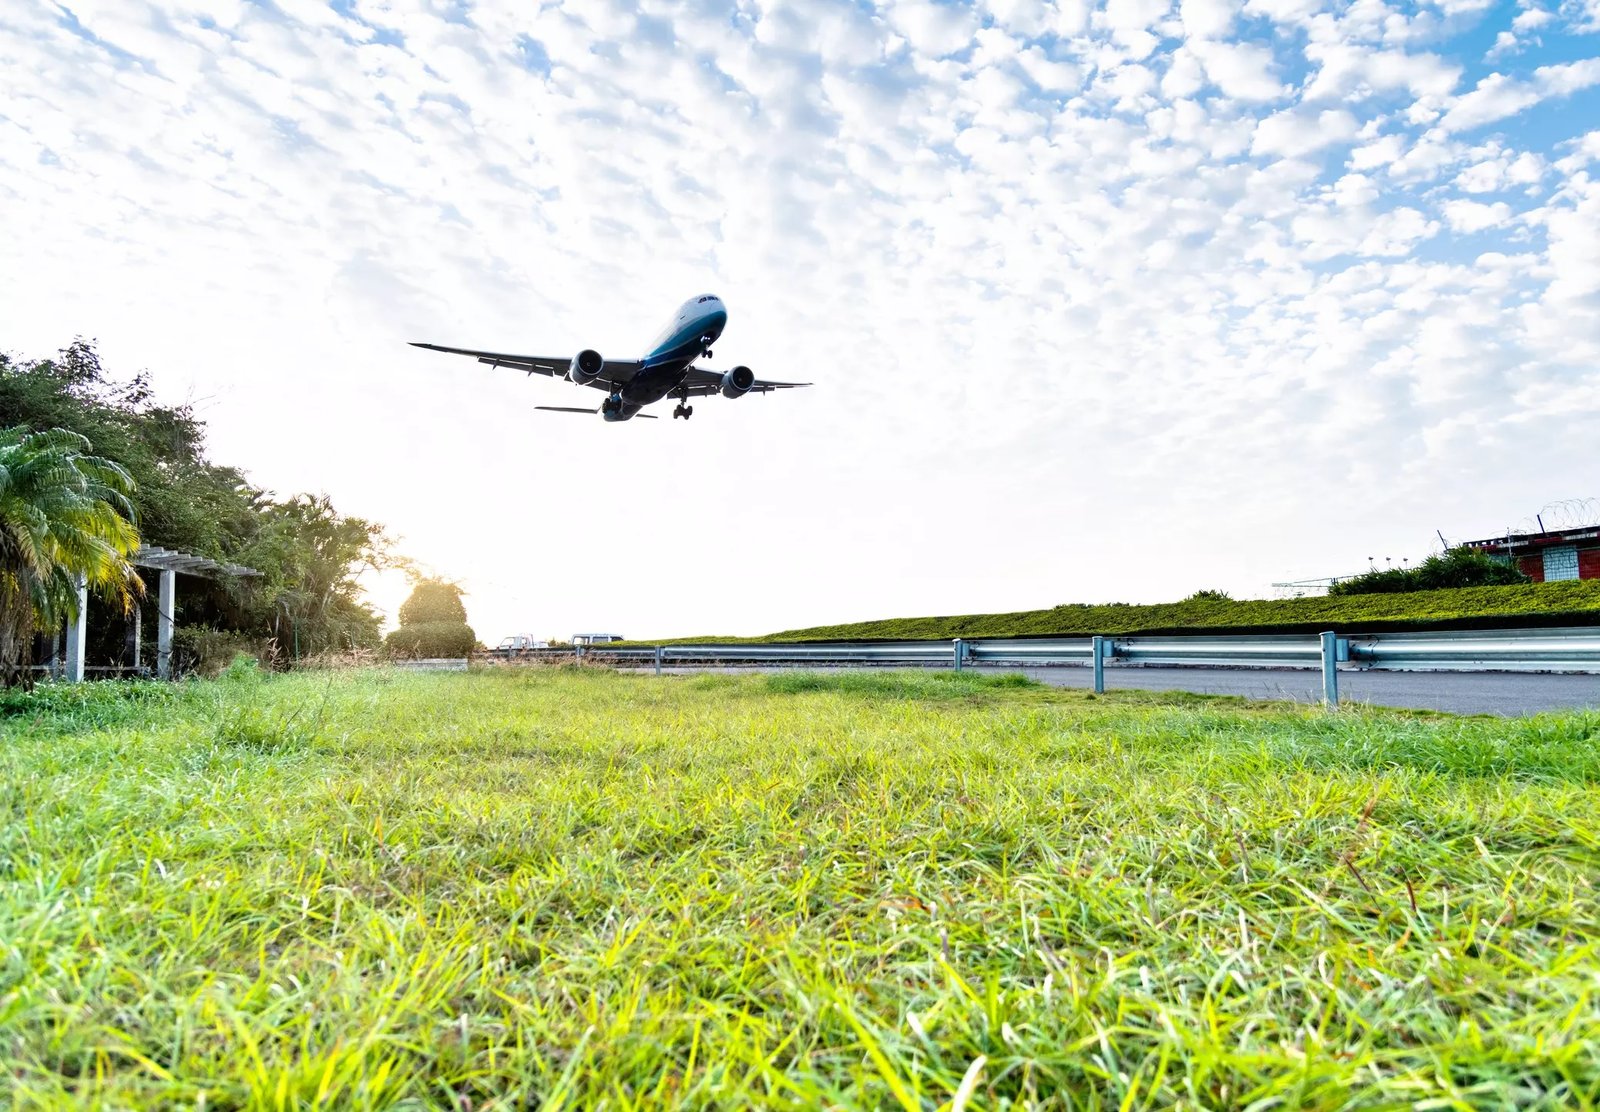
(518, 643)
(595, 638)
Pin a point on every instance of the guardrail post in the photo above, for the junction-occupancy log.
(1097, 649)
(961, 652)
(658, 660)
(1330, 669)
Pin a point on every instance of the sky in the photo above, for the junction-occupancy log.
(1102, 302)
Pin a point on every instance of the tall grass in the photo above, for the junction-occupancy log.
(572, 888)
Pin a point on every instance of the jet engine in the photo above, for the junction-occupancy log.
(586, 367)
(737, 382)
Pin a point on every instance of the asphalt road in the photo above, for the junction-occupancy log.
(1501, 693)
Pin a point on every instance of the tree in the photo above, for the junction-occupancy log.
(63, 514)
(311, 558)
(433, 600)
(308, 597)
(433, 622)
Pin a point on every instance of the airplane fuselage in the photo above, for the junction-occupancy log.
(695, 327)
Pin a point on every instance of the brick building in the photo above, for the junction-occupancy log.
(1547, 557)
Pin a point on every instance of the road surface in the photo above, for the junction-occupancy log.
(1504, 693)
(1501, 693)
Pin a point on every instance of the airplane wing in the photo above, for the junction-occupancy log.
(703, 382)
(614, 373)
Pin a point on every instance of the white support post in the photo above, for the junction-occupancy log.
(138, 632)
(961, 653)
(166, 601)
(77, 629)
(1097, 649)
(1330, 669)
(53, 664)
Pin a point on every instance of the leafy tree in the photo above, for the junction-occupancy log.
(308, 598)
(63, 514)
(433, 600)
(311, 558)
(433, 622)
(1456, 567)
(1209, 596)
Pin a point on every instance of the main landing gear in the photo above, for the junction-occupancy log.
(684, 411)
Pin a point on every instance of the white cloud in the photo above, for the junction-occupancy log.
(1047, 73)
(1130, 239)
(1502, 169)
(1473, 216)
(1498, 96)
(1207, 19)
(1495, 97)
(1583, 15)
(1584, 151)
(934, 29)
(1293, 133)
(1242, 71)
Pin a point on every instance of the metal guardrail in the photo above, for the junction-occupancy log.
(1511, 650)
(1522, 650)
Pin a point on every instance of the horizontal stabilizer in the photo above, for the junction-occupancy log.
(571, 409)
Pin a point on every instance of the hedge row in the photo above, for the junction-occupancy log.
(430, 640)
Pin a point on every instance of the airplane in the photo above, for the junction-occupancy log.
(632, 384)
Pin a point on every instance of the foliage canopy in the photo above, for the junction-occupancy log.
(433, 600)
(308, 597)
(63, 514)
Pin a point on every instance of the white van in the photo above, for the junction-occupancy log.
(595, 638)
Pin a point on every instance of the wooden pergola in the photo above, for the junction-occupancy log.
(169, 563)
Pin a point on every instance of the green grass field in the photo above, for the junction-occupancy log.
(1536, 604)
(560, 888)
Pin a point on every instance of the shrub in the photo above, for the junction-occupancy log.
(432, 602)
(427, 640)
(1210, 596)
(1458, 567)
(197, 650)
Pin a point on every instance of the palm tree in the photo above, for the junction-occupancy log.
(64, 514)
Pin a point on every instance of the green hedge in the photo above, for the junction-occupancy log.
(428, 640)
(1535, 604)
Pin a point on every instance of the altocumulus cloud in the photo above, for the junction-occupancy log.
(1289, 268)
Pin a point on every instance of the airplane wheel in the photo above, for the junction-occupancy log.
(708, 353)
(688, 412)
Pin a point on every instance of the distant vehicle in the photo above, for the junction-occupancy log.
(632, 384)
(595, 638)
(518, 643)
